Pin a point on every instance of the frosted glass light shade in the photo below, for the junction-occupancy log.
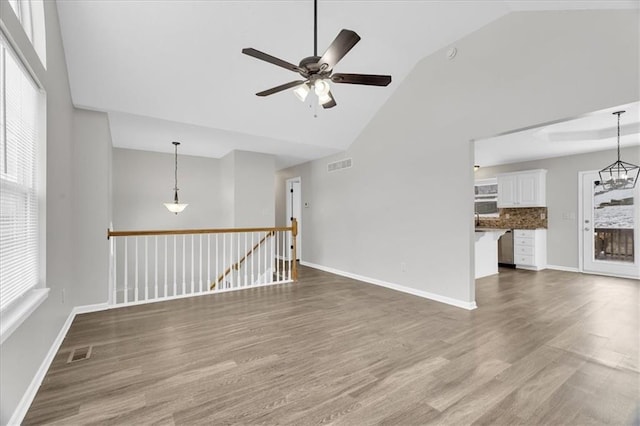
(302, 91)
(175, 207)
(321, 88)
(323, 99)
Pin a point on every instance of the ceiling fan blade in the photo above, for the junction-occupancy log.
(268, 58)
(343, 43)
(367, 79)
(280, 88)
(331, 103)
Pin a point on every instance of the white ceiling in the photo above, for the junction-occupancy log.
(173, 70)
(593, 132)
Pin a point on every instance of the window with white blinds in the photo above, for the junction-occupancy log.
(19, 219)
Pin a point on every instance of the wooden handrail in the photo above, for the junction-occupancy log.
(237, 265)
(111, 233)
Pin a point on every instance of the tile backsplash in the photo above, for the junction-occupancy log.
(518, 218)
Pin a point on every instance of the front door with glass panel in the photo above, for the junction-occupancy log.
(609, 228)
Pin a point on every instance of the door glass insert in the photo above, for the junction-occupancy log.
(613, 227)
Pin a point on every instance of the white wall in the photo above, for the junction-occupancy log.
(254, 190)
(562, 196)
(227, 187)
(143, 181)
(91, 158)
(409, 196)
(78, 164)
(235, 191)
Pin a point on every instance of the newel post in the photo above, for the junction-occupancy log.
(294, 234)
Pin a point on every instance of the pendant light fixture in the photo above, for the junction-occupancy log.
(619, 175)
(175, 207)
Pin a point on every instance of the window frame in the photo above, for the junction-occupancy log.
(30, 15)
(19, 310)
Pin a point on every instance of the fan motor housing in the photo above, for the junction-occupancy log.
(311, 64)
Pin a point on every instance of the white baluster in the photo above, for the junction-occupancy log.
(135, 290)
(155, 267)
(217, 270)
(224, 258)
(166, 288)
(260, 257)
(184, 264)
(126, 271)
(192, 261)
(113, 278)
(200, 265)
(245, 260)
(146, 268)
(208, 261)
(276, 256)
(231, 278)
(269, 250)
(175, 265)
(290, 251)
(253, 278)
(237, 257)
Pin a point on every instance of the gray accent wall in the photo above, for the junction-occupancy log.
(77, 214)
(562, 196)
(409, 196)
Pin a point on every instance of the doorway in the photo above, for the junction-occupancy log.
(293, 192)
(608, 228)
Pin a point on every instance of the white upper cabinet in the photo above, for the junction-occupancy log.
(522, 189)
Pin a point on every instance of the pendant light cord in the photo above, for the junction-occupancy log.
(619, 135)
(175, 186)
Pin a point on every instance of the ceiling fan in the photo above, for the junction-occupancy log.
(317, 71)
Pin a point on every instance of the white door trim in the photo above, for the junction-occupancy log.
(581, 219)
(288, 214)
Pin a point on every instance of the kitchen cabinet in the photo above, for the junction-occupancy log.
(530, 248)
(522, 189)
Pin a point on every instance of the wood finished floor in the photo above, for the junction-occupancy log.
(542, 348)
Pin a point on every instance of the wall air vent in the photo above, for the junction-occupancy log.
(339, 165)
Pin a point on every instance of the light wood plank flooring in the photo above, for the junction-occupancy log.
(542, 348)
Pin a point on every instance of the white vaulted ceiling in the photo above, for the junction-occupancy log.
(173, 70)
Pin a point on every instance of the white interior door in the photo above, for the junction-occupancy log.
(609, 228)
(294, 209)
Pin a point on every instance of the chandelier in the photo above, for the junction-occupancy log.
(619, 175)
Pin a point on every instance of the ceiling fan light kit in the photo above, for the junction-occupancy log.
(619, 175)
(318, 70)
(302, 91)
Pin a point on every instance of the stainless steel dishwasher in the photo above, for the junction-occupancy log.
(505, 249)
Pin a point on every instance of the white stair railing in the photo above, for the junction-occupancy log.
(148, 266)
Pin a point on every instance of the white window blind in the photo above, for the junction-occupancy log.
(19, 227)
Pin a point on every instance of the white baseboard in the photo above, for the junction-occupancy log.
(420, 293)
(32, 389)
(90, 308)
(604, 274)
(563, 268)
